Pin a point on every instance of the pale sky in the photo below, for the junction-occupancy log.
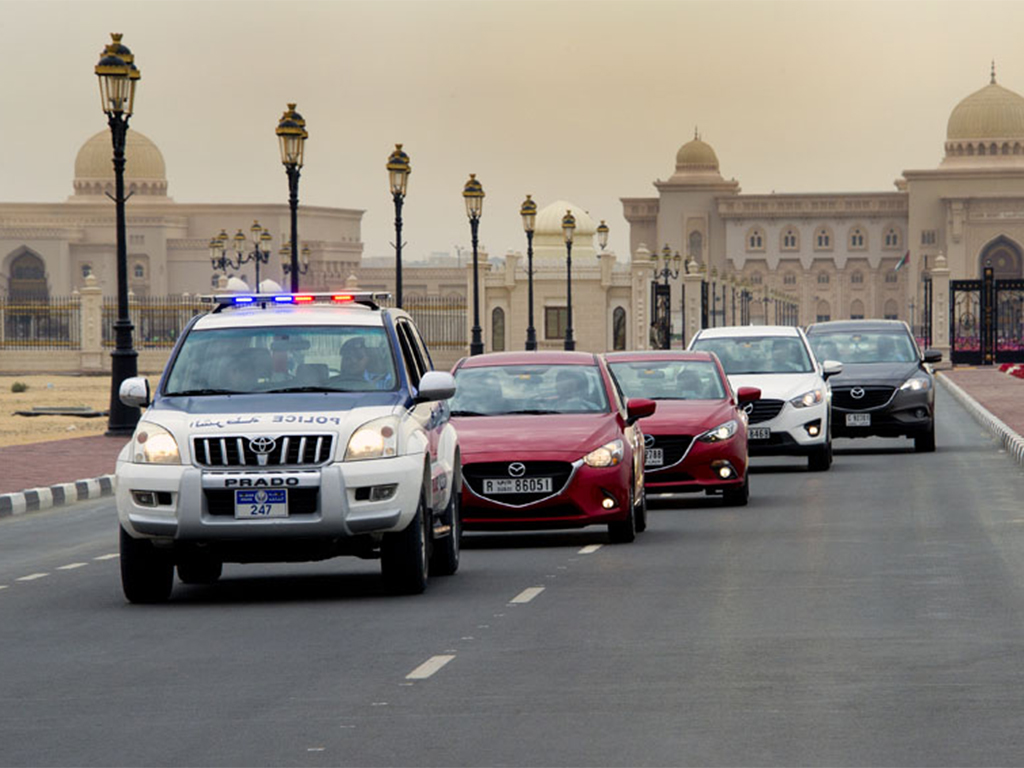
(580, 100)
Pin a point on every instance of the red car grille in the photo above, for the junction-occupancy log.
(475, 474)
(673, 448)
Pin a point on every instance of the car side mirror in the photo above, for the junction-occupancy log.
(435, 385)
(831, 368)
(134, 392)
(639, 408)
(932, 356)
(746, 395)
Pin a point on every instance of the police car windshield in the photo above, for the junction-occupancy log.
(244, 361)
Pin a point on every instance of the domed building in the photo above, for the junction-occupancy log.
(49, 249)
(835, 256)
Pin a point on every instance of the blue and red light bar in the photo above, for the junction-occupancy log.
(368, 298)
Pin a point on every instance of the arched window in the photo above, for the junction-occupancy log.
(755, 239)
(892, 238)
(790, 239)
(891, 312)
(824, 312)
(498, 329)
(28, 277)
(140, 271)
(857, 310)
(789, 279)
(86, 270)
(857, 239)
(619, 329)
(823, 278)
(892, 277)
(823, 239)
(696, 246)
(857, 278)
(756, 278)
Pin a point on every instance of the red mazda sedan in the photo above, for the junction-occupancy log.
(548, 442)
(697, 441)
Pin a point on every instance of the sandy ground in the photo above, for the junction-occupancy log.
(51, 390)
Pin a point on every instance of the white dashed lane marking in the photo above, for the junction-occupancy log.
(526, 595)
(33, 577)
(429, 667)
(71, 566)
(107, 557)
(590, 549)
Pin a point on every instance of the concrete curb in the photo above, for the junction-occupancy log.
(1011, 441)
(38, 499)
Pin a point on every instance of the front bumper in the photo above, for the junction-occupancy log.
(907, 414)
(699, 469)
(793, 432)
(180, 503)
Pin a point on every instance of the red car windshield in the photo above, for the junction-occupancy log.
(529, 389)
(669, 379)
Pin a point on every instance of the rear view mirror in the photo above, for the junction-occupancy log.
(639, 408)
(932, 356)
(831, 368)
(435, 385)
(747, 395)
(134, 392)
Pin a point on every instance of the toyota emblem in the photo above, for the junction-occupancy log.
(648, 441)
(262, 445)
(516, 469)
(857, 393)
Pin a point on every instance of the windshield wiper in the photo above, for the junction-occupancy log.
(194, 392)
(468, 413)
(305, 388)
(531, 412)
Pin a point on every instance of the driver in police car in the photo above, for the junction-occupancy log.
(355, 365)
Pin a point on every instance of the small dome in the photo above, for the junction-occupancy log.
(993, 112)
(549, 220)
(696, 155)
(144, 165)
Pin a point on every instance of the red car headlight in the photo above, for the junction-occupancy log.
(608, 455)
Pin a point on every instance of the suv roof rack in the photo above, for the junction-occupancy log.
(223, 301)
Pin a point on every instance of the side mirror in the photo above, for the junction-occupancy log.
(746, 395)
(932, 356)
(434, 386)
(831, 368)
(639, 408)
(134, 392)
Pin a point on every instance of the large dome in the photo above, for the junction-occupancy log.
(993, 112)
(549, 221)
(696, 155)
(144, 170)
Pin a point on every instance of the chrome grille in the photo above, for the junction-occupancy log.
(673, 447)
(763, 410)
(874, 397)
(238, 451)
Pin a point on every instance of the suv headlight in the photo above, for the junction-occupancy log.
(152, 444)
(807, 399)
(376, 439)
(608, 455)
(719, 433)
(916, 384)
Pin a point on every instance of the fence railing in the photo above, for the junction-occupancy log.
(441, 320)
(42, 324)
(158, 320)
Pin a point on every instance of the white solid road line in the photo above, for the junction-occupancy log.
(429, 667)
(590, 549)
(527, 595)
(33, 577)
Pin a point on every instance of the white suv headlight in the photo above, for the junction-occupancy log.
(915, 384)
(807, 399)
(721, 432)
(377, 439)
(152, 444)
(608, 455)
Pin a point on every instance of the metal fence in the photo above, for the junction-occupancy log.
(158, 320)
(53, 323)
(441, 320)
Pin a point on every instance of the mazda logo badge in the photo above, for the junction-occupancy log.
(748, 408)
(517, 469)
(857, 393)
(648, 441)
(262, 445)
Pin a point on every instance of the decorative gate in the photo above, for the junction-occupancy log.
(662, 303)
(986, 325)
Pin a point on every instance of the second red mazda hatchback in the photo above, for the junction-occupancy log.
(697, 441)
(548, 442)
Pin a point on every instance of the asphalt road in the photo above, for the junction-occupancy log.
(870, 615)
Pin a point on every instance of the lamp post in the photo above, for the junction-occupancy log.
(292, 135)
(286, 261)
(568, 227)
(260, 252)
(473, 194)
(528, 210)
(118, 77)
(398, 174)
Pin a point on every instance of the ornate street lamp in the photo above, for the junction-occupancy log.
(602, 235)
(260, 252)
(663, 295)
(286, 260)
(398, 174)
(473, 194)
(118, 77)
(568, 227)
(292, 135)
(528, 211)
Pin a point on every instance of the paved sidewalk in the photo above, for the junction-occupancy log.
(43, 475)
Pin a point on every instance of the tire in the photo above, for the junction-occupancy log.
(820, 458)
(640, 512)
(925, 442)
(147, 574)
(199, 570)
(624, 531)
(444, 560)
(404, 560)
(738, 497)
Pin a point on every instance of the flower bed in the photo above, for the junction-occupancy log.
(1014, 369)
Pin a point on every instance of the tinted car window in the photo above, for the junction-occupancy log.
(669, 380)
(496, 390)
(758, 354)
(861, 347)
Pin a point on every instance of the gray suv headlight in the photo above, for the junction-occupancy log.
(152, 444)
(377, 439)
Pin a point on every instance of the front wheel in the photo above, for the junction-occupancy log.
(403, 555)
(147, 574)
(820, 458)
(640, 512)
(444, 560)
(925, 442)
(624, 531)
(737, 497)
(199, 570)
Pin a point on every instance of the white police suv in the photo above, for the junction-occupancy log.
(290, 427)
